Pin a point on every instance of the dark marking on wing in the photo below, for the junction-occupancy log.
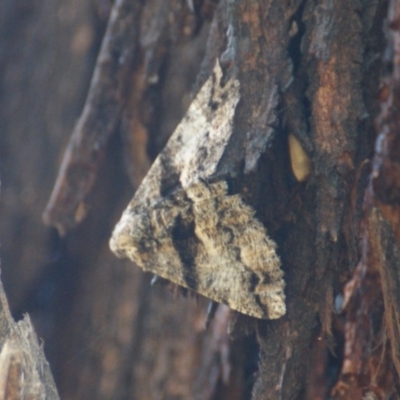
(169, 181)
(185, 243)
(254, 281)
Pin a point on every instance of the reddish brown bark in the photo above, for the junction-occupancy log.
(309, 70)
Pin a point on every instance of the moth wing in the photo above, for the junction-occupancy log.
(194, 233)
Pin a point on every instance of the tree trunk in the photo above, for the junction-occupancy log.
(318, 84)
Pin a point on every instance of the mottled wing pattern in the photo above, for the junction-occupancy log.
(194, 233)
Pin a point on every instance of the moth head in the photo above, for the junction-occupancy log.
(129, 237)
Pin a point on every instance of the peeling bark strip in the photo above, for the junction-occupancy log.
(385, 186)
(188, 229)
(334, 51)
(99, 120)
(386, 166)
(371, 364)
(368, 365)
(382, 240)
(386, 175)
(337, 108)
(24, 372)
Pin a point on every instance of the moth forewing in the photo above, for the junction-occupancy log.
(193, 232)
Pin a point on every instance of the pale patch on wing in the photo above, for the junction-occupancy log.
(194, 233)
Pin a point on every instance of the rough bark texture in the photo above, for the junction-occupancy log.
(24, 372)
(314, 71)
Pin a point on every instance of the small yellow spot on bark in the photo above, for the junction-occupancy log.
(299, 160)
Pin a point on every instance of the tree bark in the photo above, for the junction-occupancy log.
(312, 75)
(24, 371)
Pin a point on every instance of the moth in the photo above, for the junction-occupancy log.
(187, 227)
